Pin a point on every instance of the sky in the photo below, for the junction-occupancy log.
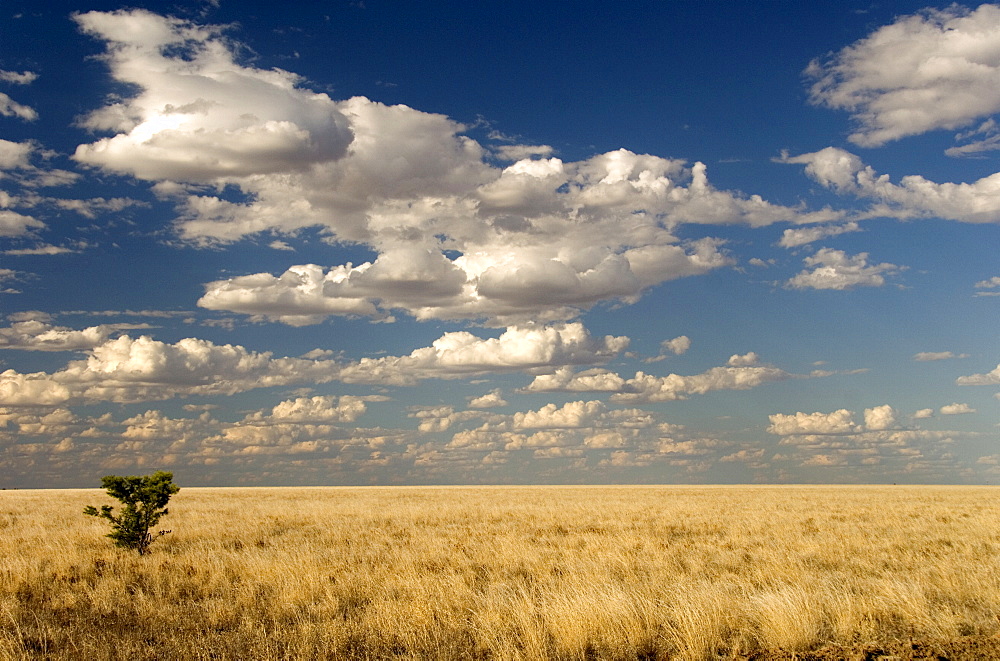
(353, 243)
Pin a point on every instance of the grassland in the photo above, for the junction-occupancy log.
(503, 573)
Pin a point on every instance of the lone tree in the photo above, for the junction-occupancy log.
(144, 499)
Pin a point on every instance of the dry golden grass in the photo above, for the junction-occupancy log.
(500, 572)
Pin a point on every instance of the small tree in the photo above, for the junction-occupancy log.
(144, 499)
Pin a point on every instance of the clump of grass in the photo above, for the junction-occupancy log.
(501, 573)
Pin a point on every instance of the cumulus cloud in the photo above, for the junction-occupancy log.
(913, 196)
(837, 422)
(22, 78)
(130, 370)
(989, 379)
(15, 155)
(295, 426)
(13, 224)
(677, 346)
(938, 69)
(835, 269)
(741, 373)
(880, 417)
(795, 237)
(141, 369)
(490, 400)
(571, 416)
(199, 115)
(956, 409)
(11, 108)
(925, 356)
(456, 237)
(835, 439)
(992, 283)
(37, 335)
(318, 409)
(564, 430)
(461, 354)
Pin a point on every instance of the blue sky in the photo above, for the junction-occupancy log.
(412, 243)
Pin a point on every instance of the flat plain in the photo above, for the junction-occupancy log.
(664, 572)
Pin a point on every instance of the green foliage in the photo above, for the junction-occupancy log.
(144, 500)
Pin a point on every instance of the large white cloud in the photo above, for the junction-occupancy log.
(129, 369)
(939, 69)
(461, 354)
(835, 269)
(989, 379)
(199, 115)
(913, 197)
(571, 415)
(838, 422)
(456, 237)
(956, 409)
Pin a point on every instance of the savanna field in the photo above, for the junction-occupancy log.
(509, 573)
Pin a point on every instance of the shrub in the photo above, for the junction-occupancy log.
(144, 499)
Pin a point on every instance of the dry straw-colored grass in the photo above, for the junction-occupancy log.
(500, 572)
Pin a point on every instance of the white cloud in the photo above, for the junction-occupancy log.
(925, 356)
(742, 373)
(130, 370)
(13, 224)
(746, 360)
(11, 108)
(677, 346)
(880, 417)
(566, 380)
(35, 335)
(913, 196)
(33, 389)
(988, 379)
(521, 152)
(990, 140)
(202, 116)
(956, 409)
(923, 414)
(23, 78)
(932, 70)
(792, 238)
(460, 354)
(42, 249)
(15, 154)
(295, 426)
(142, 369)
(571, 428)
(318, 409)
(834, 269)
(455, 236)
(491, 399)
(992, 283)
(838, 422)
(572, 415)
